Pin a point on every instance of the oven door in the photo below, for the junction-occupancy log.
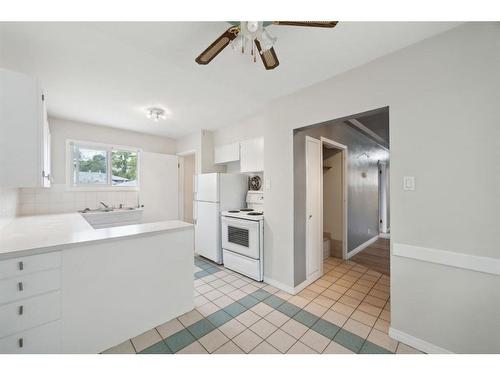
(241, 236)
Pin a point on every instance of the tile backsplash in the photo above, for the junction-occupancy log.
(58, 199)
(8, 204)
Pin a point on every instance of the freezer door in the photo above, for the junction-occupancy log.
(208, 187)
(207, 231)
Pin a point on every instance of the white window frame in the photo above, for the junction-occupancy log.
(105, 147)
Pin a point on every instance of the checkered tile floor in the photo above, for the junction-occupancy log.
(345, 311)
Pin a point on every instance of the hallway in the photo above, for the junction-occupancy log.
(376, 256)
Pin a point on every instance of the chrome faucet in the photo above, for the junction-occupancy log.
(104, 204)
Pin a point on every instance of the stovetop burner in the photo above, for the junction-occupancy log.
(246, 209)
(255, 213)
(233, 211)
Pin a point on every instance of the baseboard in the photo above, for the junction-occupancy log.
(448, 258)
(279, 285)
(362, 247)
(385, 235)
(287, 288)
(417, 343)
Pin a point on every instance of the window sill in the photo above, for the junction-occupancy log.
(102, 188)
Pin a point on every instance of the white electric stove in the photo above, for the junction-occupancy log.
(243, 237)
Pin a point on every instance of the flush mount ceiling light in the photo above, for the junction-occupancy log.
(156, 114)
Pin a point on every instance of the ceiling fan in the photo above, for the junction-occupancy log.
(248, 35)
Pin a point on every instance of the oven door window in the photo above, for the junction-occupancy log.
(238, 236)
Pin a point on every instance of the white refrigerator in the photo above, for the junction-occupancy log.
(214, 193)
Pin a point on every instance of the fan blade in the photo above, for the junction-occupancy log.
(327, 24)
(217, 46)
(268, 57)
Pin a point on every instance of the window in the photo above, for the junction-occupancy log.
(105, 166)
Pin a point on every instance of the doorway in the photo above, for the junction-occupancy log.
(187, 171)
(334, 202)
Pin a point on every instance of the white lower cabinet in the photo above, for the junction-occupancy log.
(45, 339)
(21, 315)
(21, 287)
(30, 304)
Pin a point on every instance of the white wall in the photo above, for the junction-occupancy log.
(443, 97)
(61, 130)
(332, 196)
(57, 199)
(8, 204)
(201, 143)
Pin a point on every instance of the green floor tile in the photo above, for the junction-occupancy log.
(201, 274)
(274, 301)
(349, 340)
(179, 340)
(201, 328)
(235, 309)
(260, 294)
(212, 270)
(325, 328)
(306, 318)
(248, 301)
(371, 348)
(288, 309)
(158, 348)
(219, 318)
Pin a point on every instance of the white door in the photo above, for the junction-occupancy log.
(208, 187)
(314, 265)
(159, 189)
(207, 241)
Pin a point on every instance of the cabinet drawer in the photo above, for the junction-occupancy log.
(25, 265)
(43, 339)
(241, 264)
(21, 287)
(29, 313)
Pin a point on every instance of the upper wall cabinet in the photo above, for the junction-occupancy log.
(252, 155)
(24, 132)
(227, 153)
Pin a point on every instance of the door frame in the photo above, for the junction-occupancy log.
(382, 197)
(343, 149)
(180, 177)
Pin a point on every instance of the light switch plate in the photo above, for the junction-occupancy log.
(409, 183)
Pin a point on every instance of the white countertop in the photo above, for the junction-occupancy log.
(28, 235)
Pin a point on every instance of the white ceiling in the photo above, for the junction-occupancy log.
(108, 73)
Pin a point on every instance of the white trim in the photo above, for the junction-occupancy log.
(108, 148)
(362, 247)
(416, 343)
(385, 235)
(287, 288)
(279, 285)
(186, 153)
(448, 258)
(304, 284)
(343, 148)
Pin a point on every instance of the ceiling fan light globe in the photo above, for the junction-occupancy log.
(252, 26)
